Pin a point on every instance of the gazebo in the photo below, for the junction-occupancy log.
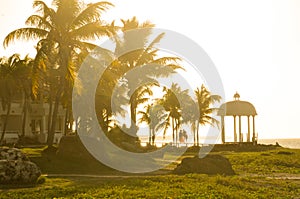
(238, 109)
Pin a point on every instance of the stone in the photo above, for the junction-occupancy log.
(210, 164)
(15, 167)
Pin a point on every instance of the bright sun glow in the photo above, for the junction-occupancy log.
(254, 44)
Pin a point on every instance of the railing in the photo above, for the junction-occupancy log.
(163, 143)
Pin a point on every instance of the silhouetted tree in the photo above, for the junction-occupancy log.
(173, 101)
(133, 50)
(204, 100)
(8, 86)
(63, 32)
(154, 116)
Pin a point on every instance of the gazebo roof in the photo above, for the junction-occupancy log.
(238, 108)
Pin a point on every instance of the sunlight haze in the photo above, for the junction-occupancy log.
(255, 46)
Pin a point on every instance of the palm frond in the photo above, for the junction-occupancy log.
(25, 34)
(91, 31)
(166, 60)
(43, 8)
(39, 22)
(66, 12)
(149, 47)
(91, 14)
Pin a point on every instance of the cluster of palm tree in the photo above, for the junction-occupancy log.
(176, 108)
(15, 83)
(64, 34)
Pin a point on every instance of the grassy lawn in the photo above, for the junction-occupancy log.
(267, 162)
(167, 186)
(257, 178)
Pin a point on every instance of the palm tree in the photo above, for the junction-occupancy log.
(139, 96)
(154, 116)
(8, 86)
(174, 102)
(23, 79)
(134, 49)
(62, 32)
(191, 117)
(204, 101)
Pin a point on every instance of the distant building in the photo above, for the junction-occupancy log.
(36, 122)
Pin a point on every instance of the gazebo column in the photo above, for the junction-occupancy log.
(240, 128)
(253, 136)
(223, 129)
(248, 135)
(234, 129)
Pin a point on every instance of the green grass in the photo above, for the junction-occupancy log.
(257, 178)
(268, 162)
(167, 186)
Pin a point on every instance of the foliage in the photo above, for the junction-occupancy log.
(136, 51)
(268, 162)
(250, 183)
(176, 103)
(62, 33)
(204, 101)
(167, 186)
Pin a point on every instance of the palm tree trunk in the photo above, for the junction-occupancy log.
(153, 136)
(25, 110)
(50, 113)
(133, 127)
(107, 122)
(194, 132)
(198, 134)
(51, 133)
(150, 129)
(176, 131)
(173, 131)
(66, 123)
(5, 122)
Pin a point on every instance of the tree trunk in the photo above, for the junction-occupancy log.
(194, 132)
(51, 132)
(66, 120)
(173, 131)
(150, 133)
(25, 110)
(153, 136)
(198, 134)
(133, 127)
(176, 131)
(5, 122)
(50, 114)
(107, 121)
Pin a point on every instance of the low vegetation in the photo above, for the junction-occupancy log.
(267, 174)
(167, 186)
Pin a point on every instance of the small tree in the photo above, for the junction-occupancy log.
(204, 101)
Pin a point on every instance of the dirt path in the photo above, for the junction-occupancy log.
(279, 176)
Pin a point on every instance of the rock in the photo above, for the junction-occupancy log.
(71, 147)
(210, 164)
(15, 167)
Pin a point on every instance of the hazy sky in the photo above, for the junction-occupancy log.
(254, 45)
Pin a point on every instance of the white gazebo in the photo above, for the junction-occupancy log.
(238, 109)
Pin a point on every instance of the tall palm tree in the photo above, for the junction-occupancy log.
(134, 49)
(139, 96)
(8, 86)
(23, 74)
(62, 32)
(175, 101)
(191, 117)
(154, 116)
(204, 101)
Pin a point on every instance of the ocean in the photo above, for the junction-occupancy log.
(287, 143)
